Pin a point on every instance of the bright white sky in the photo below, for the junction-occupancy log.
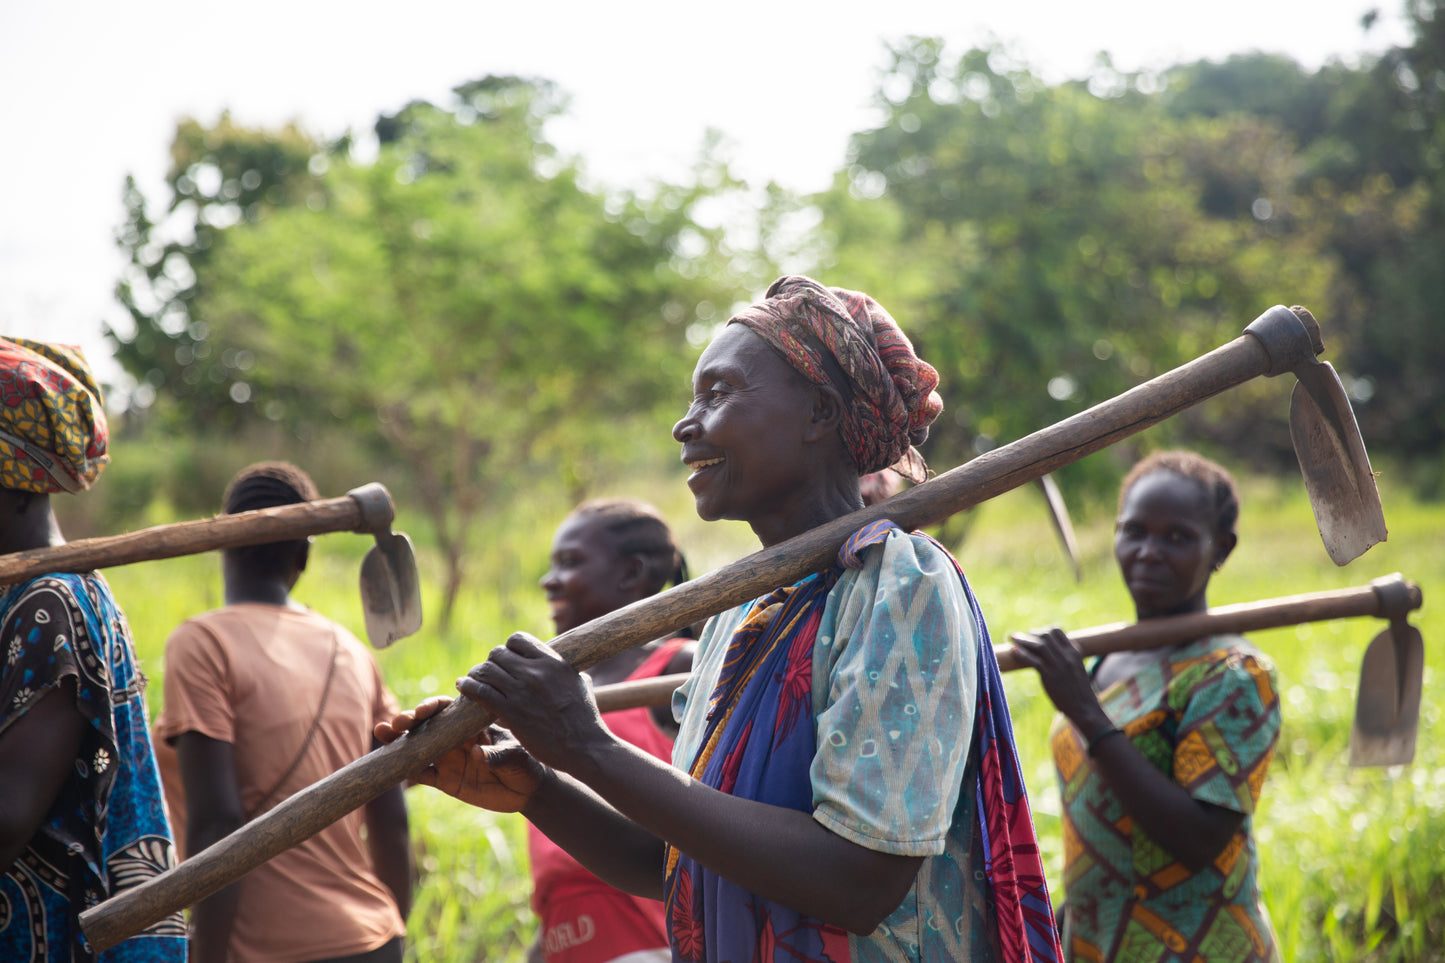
(90, 90)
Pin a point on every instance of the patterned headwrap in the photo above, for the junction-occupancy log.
(52, 425)
(844, 339)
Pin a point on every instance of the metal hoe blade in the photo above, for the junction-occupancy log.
(1336, 468)
(1387, 704)
(1387, 708)
(1059, 513)
(390, 590)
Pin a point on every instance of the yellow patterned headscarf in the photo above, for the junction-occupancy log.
(53, 434)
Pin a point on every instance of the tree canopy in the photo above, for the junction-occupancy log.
(462, 308)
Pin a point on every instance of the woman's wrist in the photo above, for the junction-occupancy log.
(1099, 734)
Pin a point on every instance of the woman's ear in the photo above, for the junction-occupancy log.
(1224, 543)
(827, 411)
(632, 575)
(299, 560)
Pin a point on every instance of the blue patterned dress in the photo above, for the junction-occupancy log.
(868, 696)
(107, 830)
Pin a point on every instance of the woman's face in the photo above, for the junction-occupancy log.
(744, 439)
(1166, 545)
(587, 578)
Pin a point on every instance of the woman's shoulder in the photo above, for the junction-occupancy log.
(1227, 659)
(900, 554)
(56, 594)
(1236, 651)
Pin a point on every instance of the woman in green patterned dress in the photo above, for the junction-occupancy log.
(1161, 753)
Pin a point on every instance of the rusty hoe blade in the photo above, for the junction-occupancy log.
(1326, 439)
(1387, 706)
(390, 589)
(390, 584)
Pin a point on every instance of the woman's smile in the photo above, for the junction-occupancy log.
(703, 464)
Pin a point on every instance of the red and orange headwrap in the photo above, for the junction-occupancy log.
(831, 333)
(53, 433)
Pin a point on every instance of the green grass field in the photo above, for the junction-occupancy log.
(1354, 860)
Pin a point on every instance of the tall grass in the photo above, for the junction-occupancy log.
(1353, 860)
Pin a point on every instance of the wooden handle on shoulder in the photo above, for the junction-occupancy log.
(1245, 617)
(346, 513)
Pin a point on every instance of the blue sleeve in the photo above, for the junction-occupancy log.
(894, 691)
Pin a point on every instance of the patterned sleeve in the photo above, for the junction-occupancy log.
(893, 690)
(37, 635)
(1228, 729)
(197, 685)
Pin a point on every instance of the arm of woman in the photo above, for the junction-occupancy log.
(494, 772)
(214, 810)
(37, 754)
(1193, 830)
(780, 854)
(388, 837)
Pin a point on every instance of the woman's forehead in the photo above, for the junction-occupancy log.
(576, 531)
(737, 351)
(1166, 492)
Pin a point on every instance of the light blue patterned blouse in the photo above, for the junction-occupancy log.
(894, 700)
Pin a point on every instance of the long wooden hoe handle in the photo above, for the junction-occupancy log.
(1362, 600)
(366, 509)
(1272, 344)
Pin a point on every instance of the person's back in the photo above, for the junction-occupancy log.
(263, 698)
(80, 803)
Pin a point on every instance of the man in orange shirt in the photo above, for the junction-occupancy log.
(262, 698)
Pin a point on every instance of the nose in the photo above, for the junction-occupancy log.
(549, 580)
(1151, 548)
(686, 429)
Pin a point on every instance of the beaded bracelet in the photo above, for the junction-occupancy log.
(1099, 737)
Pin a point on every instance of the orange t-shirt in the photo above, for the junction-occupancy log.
(252, 675)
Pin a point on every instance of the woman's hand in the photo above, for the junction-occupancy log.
(541, 700)
(492, 771)
(1061, 670)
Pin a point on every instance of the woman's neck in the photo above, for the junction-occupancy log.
(259, 591)
(822, 505)
(27, 521)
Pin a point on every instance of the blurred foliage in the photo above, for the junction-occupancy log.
(1050, 247)
(457, 312)
(460, 308)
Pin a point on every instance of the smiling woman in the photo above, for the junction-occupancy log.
(849, 727)
(606, 554)
(1164, 751)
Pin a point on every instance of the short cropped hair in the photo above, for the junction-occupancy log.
(267, 484)
(1213, 479)
(636, 528)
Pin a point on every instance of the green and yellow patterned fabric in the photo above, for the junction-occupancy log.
(1208, 715)
(53, 432)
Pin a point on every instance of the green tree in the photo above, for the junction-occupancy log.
(219, 177)
(1052, 246)
(1371, 149)
(463, 308)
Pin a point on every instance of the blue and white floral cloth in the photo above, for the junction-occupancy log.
(107, 830)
